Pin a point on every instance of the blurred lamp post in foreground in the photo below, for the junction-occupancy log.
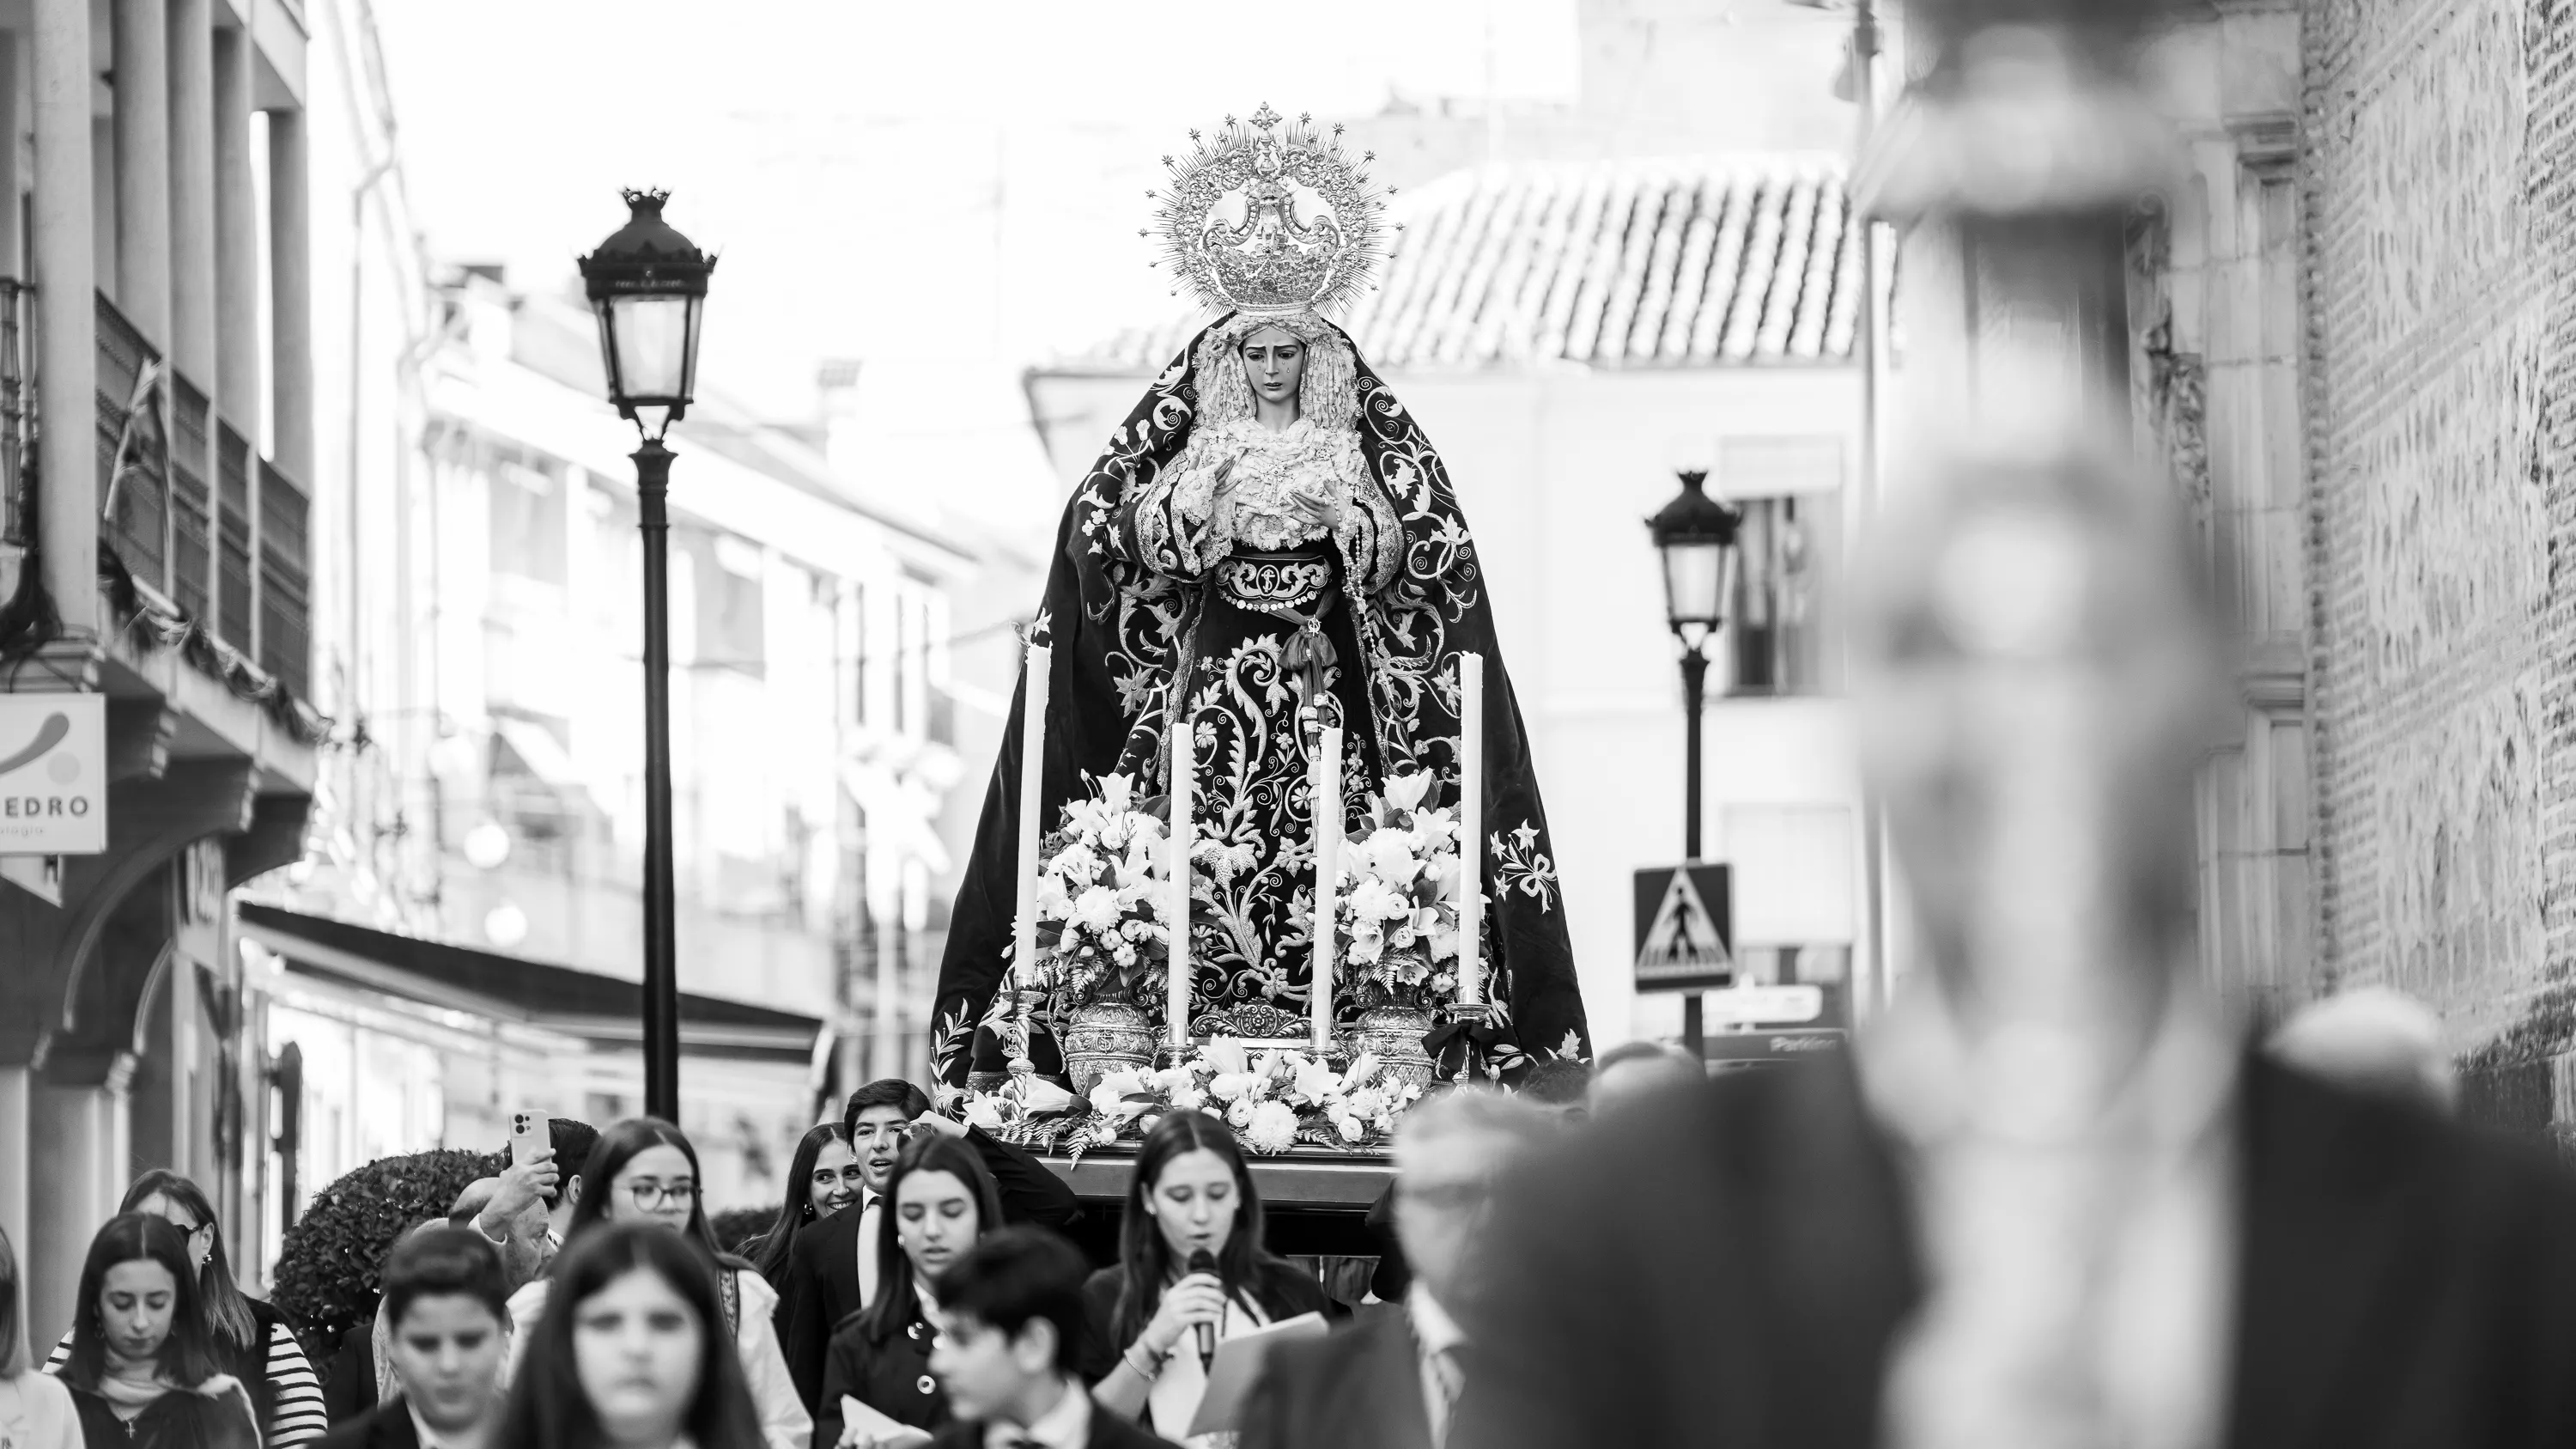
(1696, 536)
(648, 284)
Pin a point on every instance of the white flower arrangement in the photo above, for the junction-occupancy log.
(1101, 907)
(1272, 1100)
(1396, 916)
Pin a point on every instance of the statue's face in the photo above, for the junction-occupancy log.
(1275, 360)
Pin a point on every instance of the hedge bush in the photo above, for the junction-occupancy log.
(329, 1269)
(737, 1226)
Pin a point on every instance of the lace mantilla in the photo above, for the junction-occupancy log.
(1276, 470)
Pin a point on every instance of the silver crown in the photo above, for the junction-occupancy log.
(1306, 233)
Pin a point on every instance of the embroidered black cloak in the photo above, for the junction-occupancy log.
(1125, 608)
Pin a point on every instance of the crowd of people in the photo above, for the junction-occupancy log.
(916, 1288)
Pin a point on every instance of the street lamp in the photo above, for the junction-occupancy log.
(1696, 536)
(648, 284)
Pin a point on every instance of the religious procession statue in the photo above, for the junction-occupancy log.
(1263, 594)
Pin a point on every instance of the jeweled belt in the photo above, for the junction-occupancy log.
(1295, 586)
(1284, 584)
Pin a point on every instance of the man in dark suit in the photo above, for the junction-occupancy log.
(1561, 1086)
(449, 1306)
(832, 1267)
(2050, 1197)
(1399, 1374)
(1011, 1312)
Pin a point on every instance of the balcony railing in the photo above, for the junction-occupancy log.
(191, 508)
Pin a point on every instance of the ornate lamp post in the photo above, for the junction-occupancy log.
(1696, 536)
(648, 284)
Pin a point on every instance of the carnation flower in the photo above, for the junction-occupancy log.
(1096, 909)
(1388, 854)
(1240, 1114)
(1373, 900)
(1272, 1127)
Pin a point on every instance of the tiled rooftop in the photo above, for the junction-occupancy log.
(1716, 262)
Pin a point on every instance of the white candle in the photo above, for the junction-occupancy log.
(1471, 829)
(1326, 783)
(1177, 913)
(1024, 926)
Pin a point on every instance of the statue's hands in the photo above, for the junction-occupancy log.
(1319, 509)
(1224, 481)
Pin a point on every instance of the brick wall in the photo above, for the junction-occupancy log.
(2441, 377)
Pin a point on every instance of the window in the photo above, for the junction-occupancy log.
(731, 628)
(528, 523)
(1786, 552)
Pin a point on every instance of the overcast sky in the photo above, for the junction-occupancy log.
(953, 181)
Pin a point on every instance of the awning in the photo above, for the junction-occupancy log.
(585, 1004)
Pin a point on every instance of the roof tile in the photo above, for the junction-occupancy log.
(1742, 260)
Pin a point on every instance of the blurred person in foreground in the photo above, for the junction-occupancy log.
(36, 1406)
(447, 1301)
(2373, 1040)
(1558, 1087)
(1012, 1306)
(1398, 1375)
(2050, 1198)
(633, 1353)
(1635, 1071)
(832, 1265)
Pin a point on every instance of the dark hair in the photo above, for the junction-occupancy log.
(769, 1252)
(884, 1092)
(547, 1408)
(187, 1356)
(13, 1313)
(444, 1262)
(896, 1301)
(1243, 1261)
(1557, 1083)
(617, 1147)
(572, 1142)
(1015, 1276)
(229, 1320)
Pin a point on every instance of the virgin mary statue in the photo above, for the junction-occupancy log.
(1269, 542)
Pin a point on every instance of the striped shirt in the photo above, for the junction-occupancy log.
(296, 1415)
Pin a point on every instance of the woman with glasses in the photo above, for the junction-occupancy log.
(251, 1340)
(824, 1177)
(644, 1172)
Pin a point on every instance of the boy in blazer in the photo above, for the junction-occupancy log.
(448, 1303)
(1013, 1312)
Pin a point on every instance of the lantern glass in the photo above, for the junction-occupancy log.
(652, 345)
(1698, 578)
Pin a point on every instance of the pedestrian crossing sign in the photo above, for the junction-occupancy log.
(1685, 915)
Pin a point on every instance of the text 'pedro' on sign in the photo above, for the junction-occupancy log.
(53, 774)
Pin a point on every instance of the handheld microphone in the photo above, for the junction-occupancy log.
(1204, 1261)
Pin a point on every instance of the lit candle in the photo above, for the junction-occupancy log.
(1177, 913)
(1033, 703)
(1326, 785)
(1471, 829)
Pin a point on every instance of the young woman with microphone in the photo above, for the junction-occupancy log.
(1192, 1272)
